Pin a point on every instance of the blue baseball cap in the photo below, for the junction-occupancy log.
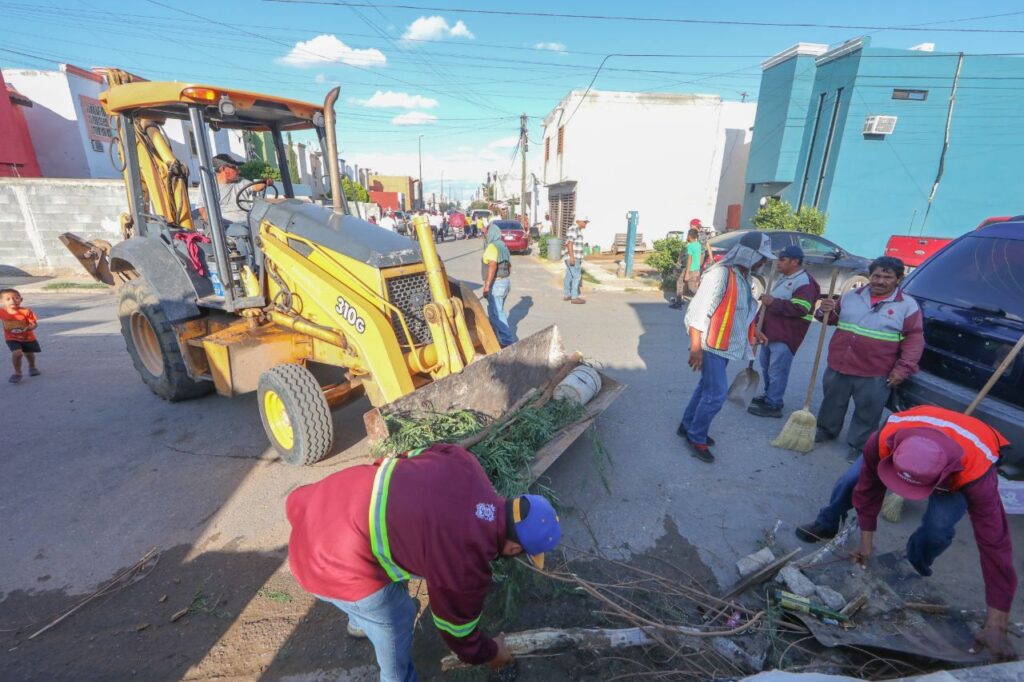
(792, 251)
(536, 525)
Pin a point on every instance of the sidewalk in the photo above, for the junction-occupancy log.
(604, 271)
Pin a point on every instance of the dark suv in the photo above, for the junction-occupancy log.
(972, 297)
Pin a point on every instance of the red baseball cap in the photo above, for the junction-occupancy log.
(921, 460)
(695, 222)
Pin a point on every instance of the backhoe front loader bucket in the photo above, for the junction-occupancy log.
(497, 383)
(94, 256)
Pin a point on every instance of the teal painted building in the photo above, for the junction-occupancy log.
(861, 133)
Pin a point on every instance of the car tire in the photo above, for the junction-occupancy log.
(854, 282)
(295, 414)
(153, 345)
(757, 287)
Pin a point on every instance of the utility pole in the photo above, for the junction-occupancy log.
(522, 191)
(419, 149)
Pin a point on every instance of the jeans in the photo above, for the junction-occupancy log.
(927, 543)
(869, 397)
(573, 275)
(496, 311)
(776, 359)
(387, 617)
(707, 398)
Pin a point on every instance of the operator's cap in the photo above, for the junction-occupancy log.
(227, 159)
(695, 222)
(758, 241)
(792, 251)
(536, 526)
(921, 460)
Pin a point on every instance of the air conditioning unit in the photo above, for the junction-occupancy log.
(879, 125)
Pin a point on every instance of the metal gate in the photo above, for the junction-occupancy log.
(562, 200)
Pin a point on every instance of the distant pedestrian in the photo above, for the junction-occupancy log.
(720, 325)
(690, 259)
(373, 220)
(878, 343)
(388, 222)
(706, 232)
(787, 316)
(435, 224)
(545, 225)
(496, 270)
(19, 332)
(572, 254)
(479, 227)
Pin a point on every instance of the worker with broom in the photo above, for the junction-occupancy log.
(878, 343)
(720, 326)
(949, 459)
(360, 534)
(787, 316)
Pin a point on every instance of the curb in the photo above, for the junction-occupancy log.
(616, 286)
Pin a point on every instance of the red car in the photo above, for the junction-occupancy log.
(515, 237)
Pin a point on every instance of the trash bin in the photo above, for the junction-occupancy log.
(554, 249)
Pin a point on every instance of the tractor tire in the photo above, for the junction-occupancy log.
(152, 344)
(295, 414)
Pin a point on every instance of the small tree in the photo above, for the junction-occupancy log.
(354, 191)
(665, 255)
(809, 219)
(258, 169)
(779, 215)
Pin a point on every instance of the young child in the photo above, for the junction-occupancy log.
(19, 326)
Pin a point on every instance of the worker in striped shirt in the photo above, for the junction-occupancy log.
(572, 255)
(787, 316)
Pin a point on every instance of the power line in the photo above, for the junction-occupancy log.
(661, 20)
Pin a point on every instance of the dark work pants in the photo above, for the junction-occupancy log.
(931, 539)
(869, 397)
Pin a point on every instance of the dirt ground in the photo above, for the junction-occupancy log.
(246, 618)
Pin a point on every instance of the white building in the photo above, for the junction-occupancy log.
(671, 157)
(72, 133)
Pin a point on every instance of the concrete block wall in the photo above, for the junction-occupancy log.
(35, 211)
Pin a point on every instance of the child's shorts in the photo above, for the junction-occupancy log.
(25, 346)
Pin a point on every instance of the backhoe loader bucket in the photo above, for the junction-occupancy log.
(94, 256)
(493, 384)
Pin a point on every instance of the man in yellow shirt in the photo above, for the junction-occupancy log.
(496, 269)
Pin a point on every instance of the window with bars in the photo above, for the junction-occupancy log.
(547, 148)
(563, 209)
(561, 139)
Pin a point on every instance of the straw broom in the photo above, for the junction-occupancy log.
(892, 507)
(798, 432)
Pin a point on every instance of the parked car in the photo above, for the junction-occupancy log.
(514, 236)
(820, 256)
(916, 250)
(484, 213)
(971, 295)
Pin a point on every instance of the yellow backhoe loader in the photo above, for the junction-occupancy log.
(306, 304)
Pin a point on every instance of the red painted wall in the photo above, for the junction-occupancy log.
(386, 200)
(17, 155)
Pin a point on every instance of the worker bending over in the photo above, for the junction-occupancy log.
(787, 315)
(360, 534)
(949, 459)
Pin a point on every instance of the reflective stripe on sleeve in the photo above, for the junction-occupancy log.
(378, 522)
(961, 431)
(802, 303)
(459, 631)
(876, 334)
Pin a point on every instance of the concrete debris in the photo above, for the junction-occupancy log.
(754, 562)
(747, 661)
(796, 581)
(831, 598)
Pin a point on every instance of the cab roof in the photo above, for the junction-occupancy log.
(171, 99)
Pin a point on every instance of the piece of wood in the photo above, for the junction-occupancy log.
(855, 605)
(1007, 361)
(821, 342)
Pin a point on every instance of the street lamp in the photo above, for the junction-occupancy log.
(419, 147)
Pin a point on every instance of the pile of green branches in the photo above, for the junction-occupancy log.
(506, 453)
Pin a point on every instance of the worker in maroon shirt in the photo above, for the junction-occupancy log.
(949, 459)
(360, 534)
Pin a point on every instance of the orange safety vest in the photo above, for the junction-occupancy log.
(980, 442)
(720, 327)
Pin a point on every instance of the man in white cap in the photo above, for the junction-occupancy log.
(720, 326)
(572, 255)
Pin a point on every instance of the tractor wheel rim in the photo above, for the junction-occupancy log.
(278, 421)
(147, 345)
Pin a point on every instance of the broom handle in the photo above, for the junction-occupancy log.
(1000, 370)
(763, 312)
(821, 342)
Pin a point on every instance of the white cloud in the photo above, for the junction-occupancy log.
(327, 49)
(436, 28)
(505, 142)
(414, 118)
(402, 100)
(554, 47)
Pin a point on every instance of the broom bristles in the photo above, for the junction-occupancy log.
(892, 507)
(798, 432)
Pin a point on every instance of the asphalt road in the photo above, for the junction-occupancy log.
(95, 470)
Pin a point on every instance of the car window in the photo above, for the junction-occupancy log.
(814, 246)
(726, 242)
(780, 240)
(975, 271)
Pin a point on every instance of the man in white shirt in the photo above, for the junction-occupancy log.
(434, 219)
(545, 225)
(388, 222)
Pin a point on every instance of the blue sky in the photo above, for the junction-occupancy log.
(461, 79)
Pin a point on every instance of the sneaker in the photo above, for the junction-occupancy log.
(578, 301)
(852, 454)
(759, 400)
(812, 533)
(353, 631)
(15, 379)
(681, 432)
(566, 298)
(762, 410)
(701, 452)
(676, 304)
(33, 372)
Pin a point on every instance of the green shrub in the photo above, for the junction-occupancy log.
(811, 220)
(542, 247)
(257, 169)
(665, 256)
(779, 215)
(354, 191)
